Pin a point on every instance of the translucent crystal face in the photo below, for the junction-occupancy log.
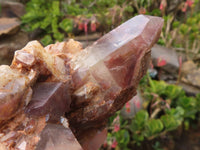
(114, 59)
(113, 40)
(55, 137)
(49, 98)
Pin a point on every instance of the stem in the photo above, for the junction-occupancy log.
(179, 71)
(136, 5)
(187, 49)
(163, 38)
(94, 2)
(194, 46)
(155, 112)
(167, 31)
(174, 33)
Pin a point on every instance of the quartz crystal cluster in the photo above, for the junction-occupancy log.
(50, 97)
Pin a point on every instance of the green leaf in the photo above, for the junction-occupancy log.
(153, 127)
(54, 25)
(157, 87)
(184, 29)
(198, 102)
(140, 120)
(189, 105)
(86, 2)
(46, 40)
(123, 138)
(56, 8)
(169, 122)
(58, 36)
(129, 9)
(75, 10)
(111, 119)
(35, 26)
(176, 24)
(155, 12)
(161, 41)
(177, 112)
(138, 138)
(46, 22)
(186, 124)
(157, 146)
(123, 123)
(66, 25)
(173, 91)
(191, 21)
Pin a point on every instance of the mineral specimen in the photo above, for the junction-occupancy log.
(87, 86)
(114, 65)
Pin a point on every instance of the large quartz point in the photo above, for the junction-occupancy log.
(57, 137)
(106, 74)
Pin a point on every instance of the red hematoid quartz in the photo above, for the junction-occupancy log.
(85, 86)
(107, 73)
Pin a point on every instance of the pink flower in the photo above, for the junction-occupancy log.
(189, 2)
(184, 7)
(151, 65)
(161, 62)
(114, 144)
(85, 27)
(167, 105)
(105, 144)
(80, 26)
(136, 101)
(93, 26)
(137, 104)
(116, 128)
(128, 107)
(163, 4)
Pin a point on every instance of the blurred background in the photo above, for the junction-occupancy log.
(165, 114)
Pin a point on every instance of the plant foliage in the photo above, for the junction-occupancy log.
(166, 108)
(57, 17)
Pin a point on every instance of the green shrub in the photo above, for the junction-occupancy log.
(58, 17)
(45, 15)
(166, 108)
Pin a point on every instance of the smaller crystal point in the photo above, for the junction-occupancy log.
(57, 137)
(13, 90)
(49, 98)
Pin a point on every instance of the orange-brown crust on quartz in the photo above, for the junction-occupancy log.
(21, 129)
